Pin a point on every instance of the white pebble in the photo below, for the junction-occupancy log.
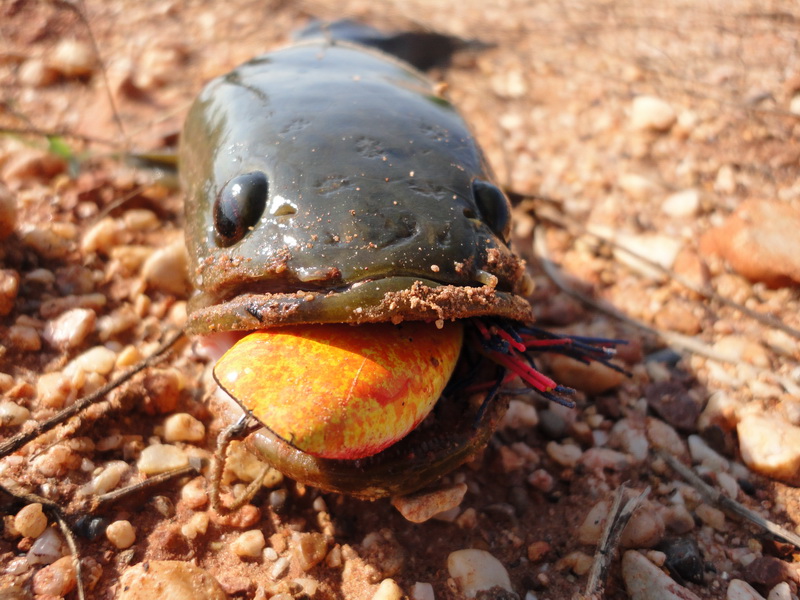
(197, 525)
(705, 455)
(782, 591)
(685, 203)
(422, 591)
(652, 113)
(70, 328)
(566, 455)
(477, 570)
(741, 590)
(280, 567)
(520, 415)
(47, 548)
(249, 544)
(121, 533)
(713, 517)
(101, 237)
(95, 360)
(12, 414)
(160, 458)
(631, 437)
(72, 58)
(166, 269)
(31, 521)
(645, 581)
(106, 480)
(770, 446)
(183, 427)
(388, 590)
(664, 437)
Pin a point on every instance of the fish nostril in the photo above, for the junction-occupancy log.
(470, 214)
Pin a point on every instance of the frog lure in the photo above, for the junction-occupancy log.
(352, 261)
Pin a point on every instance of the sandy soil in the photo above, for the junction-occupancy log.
(550, 101)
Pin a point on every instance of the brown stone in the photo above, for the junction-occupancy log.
(760, 242)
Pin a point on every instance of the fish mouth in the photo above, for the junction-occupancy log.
(391, 299)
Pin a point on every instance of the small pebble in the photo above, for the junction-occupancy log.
(99, 360)
(106, 480)
(713, 517)
(782, 591)
(58, 579)
(422, 591)
(70, 329)
(703, 454)
(47, 548)
(173, 579)
(683, 557)
(577, 562)
(645, 529)
(645, 581)
(760, 241)
(631, 437)
(196, 526)
(8, 212)
(121, 533)
(31, 521)
(566, 455)
(34, 72)
(101, 237)
(183, 427)
(476, 570)
(163, 391)
(194, 493)
(249, 544)
(72, 58)
(652, 113)
(593, 379)
(24, 338)
(420, 507)
(685, 203)
(770, 446)
(310, 549)
(388, 590)
(769, 571)
(47, 241)
(160, 458)
(166, 269)
(740, 590)
(12, 414)
(520, 415)
(664, 437)
(9, 289)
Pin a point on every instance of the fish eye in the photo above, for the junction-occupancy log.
(494, 207)
(239, 206)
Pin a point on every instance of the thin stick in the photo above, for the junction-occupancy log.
(99, 502)
(54, 510)
(18, 441)
(728, 505)
(618, 517)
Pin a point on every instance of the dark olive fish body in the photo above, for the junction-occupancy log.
(328, 182)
